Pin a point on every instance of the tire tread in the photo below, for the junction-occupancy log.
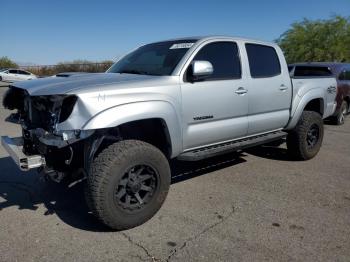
(296, 139)
(98, 177)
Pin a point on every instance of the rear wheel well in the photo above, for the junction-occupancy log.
(153, 131)
(315, 105)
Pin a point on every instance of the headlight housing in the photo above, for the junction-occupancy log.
(40, 111)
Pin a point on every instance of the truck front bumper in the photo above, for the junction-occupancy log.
(14, 147)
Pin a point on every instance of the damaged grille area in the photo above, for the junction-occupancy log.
(39, 117)
(39, 111)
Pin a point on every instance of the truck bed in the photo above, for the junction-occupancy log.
(306, 87)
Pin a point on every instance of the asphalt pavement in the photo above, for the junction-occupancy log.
(253, 206)
(3, 84)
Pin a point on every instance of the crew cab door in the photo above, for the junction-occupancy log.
(215, 109)
(270, 89)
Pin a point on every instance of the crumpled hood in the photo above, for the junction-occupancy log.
(63, 85)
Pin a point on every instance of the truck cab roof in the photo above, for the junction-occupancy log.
(201, 39)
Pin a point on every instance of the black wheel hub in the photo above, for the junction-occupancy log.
(136, 187)
(133, 187)
(313, 136)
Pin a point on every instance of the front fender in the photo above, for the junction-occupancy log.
(125, 113)
(300, 103)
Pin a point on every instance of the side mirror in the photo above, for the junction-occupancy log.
(201, 70)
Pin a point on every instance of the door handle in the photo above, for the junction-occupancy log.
(241, 91)
(283, 87)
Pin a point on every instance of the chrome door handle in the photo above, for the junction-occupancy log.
(283, 87)
(241, 91)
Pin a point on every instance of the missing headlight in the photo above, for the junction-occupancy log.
(67, 108)
(39, 111)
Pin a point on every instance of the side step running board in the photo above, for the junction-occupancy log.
(219, 149)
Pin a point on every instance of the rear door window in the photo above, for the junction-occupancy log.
(23, 72)
(263, 61)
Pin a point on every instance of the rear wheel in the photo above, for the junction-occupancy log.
(128, 184)
(340, 117)
(305, 140)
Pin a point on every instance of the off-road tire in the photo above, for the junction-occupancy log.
(106, 174)
(297, 139)
(339, 119)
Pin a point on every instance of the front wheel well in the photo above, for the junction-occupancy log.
(315, 105)
(153, 131)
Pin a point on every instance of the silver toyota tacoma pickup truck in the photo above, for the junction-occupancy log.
(189, 98)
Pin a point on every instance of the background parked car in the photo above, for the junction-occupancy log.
(12, 75)
(341, 71)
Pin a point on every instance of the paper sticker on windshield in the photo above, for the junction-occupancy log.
(181, 45)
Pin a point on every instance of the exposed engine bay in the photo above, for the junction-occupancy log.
(64, 151)
(39, 111)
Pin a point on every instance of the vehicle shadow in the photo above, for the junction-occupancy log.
(28, 190)
(183, 170)
(329, 122)
(270, 152)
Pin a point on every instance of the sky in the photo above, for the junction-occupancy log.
(48, 32)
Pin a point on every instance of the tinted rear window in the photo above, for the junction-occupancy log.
(310, 71)
(345, 75)
(23, 72)
(263, 61)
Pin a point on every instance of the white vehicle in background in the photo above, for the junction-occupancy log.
(12, 75)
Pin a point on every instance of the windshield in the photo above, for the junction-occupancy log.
(3, 69)
(153, 59)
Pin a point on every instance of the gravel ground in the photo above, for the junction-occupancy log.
(254, 206)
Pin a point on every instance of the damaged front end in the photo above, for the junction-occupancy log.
(42, 144)
(44, 112)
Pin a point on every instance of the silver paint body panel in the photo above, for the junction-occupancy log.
(225, 112)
